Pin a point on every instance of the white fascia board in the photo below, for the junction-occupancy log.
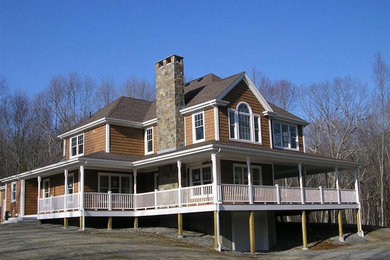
(149, 122)
(291, 157)
(82, 128)
(104, 120)
(278, 117)
(121, 122)
(126, 165)
(174, 155)
(252, 87)
(202, 106)
(45, 169)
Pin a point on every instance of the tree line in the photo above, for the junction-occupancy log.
(348, 120)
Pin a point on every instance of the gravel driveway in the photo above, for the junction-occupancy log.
(33, 241)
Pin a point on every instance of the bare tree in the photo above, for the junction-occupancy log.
(137, 88)
(381, 79)
(106, 92)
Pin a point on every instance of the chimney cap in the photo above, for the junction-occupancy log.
(176, 57)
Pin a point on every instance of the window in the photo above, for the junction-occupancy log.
(241, 174)
(200, 176)
(198, 127)
(115, 183)
(77, 145)
(46, 188)
(243, 124)
(70, 184)
(13, 191)
(285, 136)
(149, 140)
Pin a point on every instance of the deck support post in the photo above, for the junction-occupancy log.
(252, 244)
(179, 182)
(304, 232)
(81, 223)
(135, 222)
(301, 183)
(217, 244)
(180, 225)
(340, 222)
(109, 223)
(66, 222)
(358, 213)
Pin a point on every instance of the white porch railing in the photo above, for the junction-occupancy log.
(59, 203)
(195, 195)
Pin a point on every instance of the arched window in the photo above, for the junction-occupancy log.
(243, 124)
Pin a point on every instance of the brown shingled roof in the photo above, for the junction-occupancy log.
(283, 112)
(196, 91)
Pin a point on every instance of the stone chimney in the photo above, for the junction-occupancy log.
(169, 100)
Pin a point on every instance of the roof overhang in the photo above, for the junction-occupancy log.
(276, 116)
(252, 87)
(43, 170)
(204, 105)
(105, 120)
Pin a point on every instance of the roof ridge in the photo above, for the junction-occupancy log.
(119, 100)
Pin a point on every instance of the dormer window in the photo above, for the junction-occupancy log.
(149, 140)
(285, 136)
(244, 125)
(77, 145)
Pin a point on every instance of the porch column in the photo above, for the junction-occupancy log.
(252, 243)
(179, 181)
(5, 201)
(304, 233)
(250, 187)
(340, 222)
(39, 193)
(65, 188)
(217, 244)
(135, 188)
(180, 225)
(301, 183)
(358, 213)
(215, 176)
(336, 170)
(81, 189)
(22, 197)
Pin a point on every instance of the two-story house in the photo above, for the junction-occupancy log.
(208, 151)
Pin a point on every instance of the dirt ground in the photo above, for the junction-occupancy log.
(48, 241)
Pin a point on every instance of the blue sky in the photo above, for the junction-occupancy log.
(302, 41)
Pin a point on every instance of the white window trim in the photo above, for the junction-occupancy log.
(252, 125)
(77, 150)
(70, 175)
(242, 166)
(13, 191)
(146, 140)
(289, 138)
(194, 131)
(120, 180)
(43, 188)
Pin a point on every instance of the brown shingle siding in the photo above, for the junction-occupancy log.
(242, 93)
(126, 140)
(95, 140)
